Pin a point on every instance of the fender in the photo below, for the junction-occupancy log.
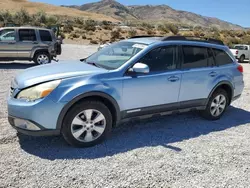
(218, 85)
(34, 50)
(82, 96)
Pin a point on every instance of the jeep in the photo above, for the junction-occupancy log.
(28, 43)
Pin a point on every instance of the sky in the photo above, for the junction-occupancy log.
(234, 11)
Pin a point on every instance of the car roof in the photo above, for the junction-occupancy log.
(157, 40)
(25, 27)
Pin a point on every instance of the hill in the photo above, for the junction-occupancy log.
(33, 7)
(160, 13)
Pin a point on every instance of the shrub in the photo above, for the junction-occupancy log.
(115, 35)
(93, 42)
(68, 28)
(84, 36)
(22, 17)
(89, 25)
(150, 32)
(74, 35)
(163, 28)
(5, 16)
(132, 33)
(173, 28)
(108, 27)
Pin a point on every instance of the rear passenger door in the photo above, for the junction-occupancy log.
(198, 72)
(27, 41)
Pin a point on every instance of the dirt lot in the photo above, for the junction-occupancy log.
(174, 151)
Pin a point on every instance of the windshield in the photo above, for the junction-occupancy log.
(115, 55)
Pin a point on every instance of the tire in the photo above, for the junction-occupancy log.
(79, 127)
(209, 112)
(42, 58)
(242, 58)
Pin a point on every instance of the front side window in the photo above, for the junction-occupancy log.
(221, 57)
(160, 59)
(7, 35)
(45, 36)
(115, 55)
(194, 57)
(27, 35)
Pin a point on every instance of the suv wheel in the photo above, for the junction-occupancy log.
(87, 124)
(216, 106)
(42, 58)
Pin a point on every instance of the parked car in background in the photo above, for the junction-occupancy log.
(131, 79)
(241, 52)
(28, 43)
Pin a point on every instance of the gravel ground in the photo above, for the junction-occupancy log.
(174, 151)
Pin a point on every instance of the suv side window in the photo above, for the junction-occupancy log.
(221, 57)
(7, 35)
(27, 35)
(195, 57)
(161, 59)
(45, 36)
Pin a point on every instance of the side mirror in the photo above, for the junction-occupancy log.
(140, 68)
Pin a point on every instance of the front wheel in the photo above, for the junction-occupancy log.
(87, 124)
(216, 106)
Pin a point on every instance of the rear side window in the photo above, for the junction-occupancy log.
(222, 58)
(160, 59)
(7, 35)
(45, 36)
(27, 35)
(194, 57)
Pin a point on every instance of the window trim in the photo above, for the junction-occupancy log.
(45, 31)
(19, 38)
(6, 41)
(197, 46)
(176, 59)
(217, 64)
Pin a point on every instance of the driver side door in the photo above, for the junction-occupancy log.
(157, 90)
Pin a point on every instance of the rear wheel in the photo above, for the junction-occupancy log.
(42, 58)
(87, 124)
(242, 58)
(216, 106)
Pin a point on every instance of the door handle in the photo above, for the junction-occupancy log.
(212, 74)
(12, 43)
(35, 42)
(173, 78)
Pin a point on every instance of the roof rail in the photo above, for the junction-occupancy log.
(196, 39)
(143, 36)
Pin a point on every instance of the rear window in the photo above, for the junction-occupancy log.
(221, 57)
(45, 36)
(27, 35)
(194, 57)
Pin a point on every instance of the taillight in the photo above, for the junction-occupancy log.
(237, 52)
(240, 68)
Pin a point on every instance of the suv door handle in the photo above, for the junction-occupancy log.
(173, 78)
(212, 74)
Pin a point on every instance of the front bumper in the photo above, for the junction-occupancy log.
(41, 132)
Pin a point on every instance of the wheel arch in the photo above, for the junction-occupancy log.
(227, 86)
(35, 51)
(108, 100)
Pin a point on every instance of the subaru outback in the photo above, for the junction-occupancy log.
(28, 43)
(131, 79)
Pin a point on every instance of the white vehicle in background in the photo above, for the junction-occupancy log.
(241, 52)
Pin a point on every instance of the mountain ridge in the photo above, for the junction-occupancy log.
(159, 13)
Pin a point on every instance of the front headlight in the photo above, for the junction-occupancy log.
(38, 91)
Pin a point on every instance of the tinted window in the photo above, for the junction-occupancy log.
(7, 35)
(194, 57)
(211, 60)
(45, 35)
(160, 59)
(221, 57)
(27, 35)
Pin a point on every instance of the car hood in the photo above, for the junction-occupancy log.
(54, 71)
